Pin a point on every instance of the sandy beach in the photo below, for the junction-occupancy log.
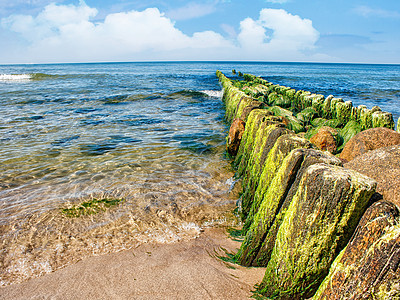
(183, 270)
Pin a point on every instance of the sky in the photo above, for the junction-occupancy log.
(62, 31)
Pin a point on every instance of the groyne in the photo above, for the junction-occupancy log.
(320, 229)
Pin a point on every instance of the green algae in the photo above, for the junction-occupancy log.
(347, 132)
(281, 148)
(254, 121)
(266, 138)
(90, 207)
(293, 123)
(317, 225)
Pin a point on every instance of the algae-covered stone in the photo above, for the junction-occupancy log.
(243, 103)
(369, 266)
(307, 115)
(344, 111)
(279, 100)
(348, 131)
(293, 123)
(398, 125)
(334, 102)
(365, 118)
(265, 139)
(318, 104)
(326, 107)
(260, 238)
(320, 220)
(382, 119)
(318, 122)
(254, 120)
(282, 147)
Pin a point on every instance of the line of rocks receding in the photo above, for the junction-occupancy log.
(319, 228)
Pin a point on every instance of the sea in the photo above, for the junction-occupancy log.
(102, 157)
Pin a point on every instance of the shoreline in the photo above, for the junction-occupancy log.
(183, 270)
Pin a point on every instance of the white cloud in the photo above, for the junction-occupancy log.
(289, 35)
(66, 33)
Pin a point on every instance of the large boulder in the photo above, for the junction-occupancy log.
(383, 165)
(369, 266)
(235, 136)
(368, 140)
(318, 224)
(260, 238)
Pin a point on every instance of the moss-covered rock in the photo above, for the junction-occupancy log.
(292, 122)
(266, 137)
(398, 125)
(260, 238)
(319, 221)
(382, 119)
(307, 115)
(334, 102)
(344, 111)
(282, 147)
(369, 267)
(254, 120)
(348, 131)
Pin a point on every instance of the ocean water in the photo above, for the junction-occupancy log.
(149, 134)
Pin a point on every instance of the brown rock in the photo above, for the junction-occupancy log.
(369, 267)
(325, 139)
(383, 165)
(235, 136)
(368, 140)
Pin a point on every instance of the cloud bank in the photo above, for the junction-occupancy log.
(68, 33)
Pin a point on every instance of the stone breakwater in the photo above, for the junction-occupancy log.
(320, 229)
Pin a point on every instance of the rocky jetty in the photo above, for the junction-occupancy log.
(300, 207)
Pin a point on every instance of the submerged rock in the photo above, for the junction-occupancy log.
(235, 136)
(383, 165)
(368, 140)
(369, 266)
(260, 238)
(319, 221)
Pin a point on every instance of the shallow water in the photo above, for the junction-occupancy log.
(151, 134)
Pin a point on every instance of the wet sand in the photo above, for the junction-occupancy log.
(183, 270)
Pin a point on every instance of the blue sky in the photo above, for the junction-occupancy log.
(42, 31)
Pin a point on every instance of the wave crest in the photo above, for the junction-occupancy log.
(15, 77)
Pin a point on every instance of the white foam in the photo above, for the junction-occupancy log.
(15, 77)
(213, 93)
